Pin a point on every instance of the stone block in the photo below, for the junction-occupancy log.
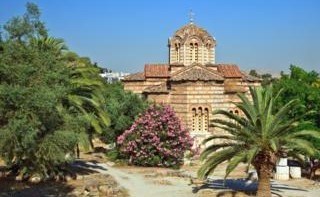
(295, 172)
(283, 162)
(282, 173)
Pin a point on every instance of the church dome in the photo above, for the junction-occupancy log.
(190, 32)
(191, 44)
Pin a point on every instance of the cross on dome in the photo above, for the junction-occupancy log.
(191, 17)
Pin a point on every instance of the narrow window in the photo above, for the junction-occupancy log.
(194, 116)
(207, 54)
(206, 120)
(196, 52)
(200, 121)
(191, 52)
(177, 51)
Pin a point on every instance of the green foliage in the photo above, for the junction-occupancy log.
(87, 95)
(266, 78)
(22, 28)
(33, 83)
(123, 107)
(48, 103)
(301, 85)
(304, 87)
(263, 134)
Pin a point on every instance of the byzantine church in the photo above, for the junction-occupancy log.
(192, 82)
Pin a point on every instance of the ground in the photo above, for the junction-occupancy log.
(98, 177)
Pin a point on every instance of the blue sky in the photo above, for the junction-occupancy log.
(266, 35)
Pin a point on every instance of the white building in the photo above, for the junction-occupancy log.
(113, 76)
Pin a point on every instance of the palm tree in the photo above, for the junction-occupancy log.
(86, 96)
(54, 45)
(258, 138)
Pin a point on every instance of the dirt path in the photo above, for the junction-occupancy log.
(139, 186)
(144, 184)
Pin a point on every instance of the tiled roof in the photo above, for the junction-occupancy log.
(156, 70)
(135, 77)
(196, 72)
(229, 70)
(162, 88)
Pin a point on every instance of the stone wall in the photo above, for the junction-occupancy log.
(189, 95)
(184, 96)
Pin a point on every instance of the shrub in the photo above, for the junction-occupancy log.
(157, 138)
(123, 107)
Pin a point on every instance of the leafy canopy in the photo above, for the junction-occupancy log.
(47, 103)
(123, 108)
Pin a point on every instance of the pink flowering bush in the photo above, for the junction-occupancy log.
(157, 138)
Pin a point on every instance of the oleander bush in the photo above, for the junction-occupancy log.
(156, 138)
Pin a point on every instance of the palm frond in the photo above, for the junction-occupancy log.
(214, 160)
(235, 161)
(229, 137)
(214, 147)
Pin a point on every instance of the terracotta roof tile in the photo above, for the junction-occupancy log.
(156, 70)
(229, 70)
(135, 77)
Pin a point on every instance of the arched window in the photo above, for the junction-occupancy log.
(207, 53)
(177, 51)
(200, 119)
(196, 52)
(194, 119)
(191, 51)
(236, 112)
(206, 120)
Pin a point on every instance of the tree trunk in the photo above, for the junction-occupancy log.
(91, 140)
(78, 151)
(314, 165)
(264, 187)
(264, 163)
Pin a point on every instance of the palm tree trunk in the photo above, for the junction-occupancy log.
(264, 175)
(78, 151)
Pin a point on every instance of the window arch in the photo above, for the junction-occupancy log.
(206, 120)
(177, 51)
(235, 112)
(191, 51)
(200, 119)
(196, 52)
(194, 119)
(207, 52)
(200, 116)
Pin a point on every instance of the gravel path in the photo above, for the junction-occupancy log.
(139, 185)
